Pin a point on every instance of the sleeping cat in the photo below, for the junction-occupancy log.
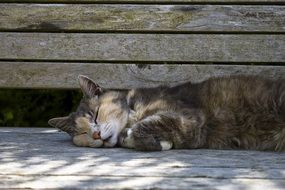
(235, 112)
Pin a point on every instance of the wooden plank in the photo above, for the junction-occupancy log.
(42, 157)
(91, 182)
(149, 1)
(40, 143)
(134, 168)
(64, 75)
(98, 17)
(143, 47)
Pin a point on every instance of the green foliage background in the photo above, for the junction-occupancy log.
(33, 108)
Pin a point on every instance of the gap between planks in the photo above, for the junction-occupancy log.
(160, 2)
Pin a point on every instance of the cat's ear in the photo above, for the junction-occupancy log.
(89, 87)
(62, 123)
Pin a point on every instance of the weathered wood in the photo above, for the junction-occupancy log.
(91, 182)
(57, 17)
(36, 158)
(64, 75)
(151, 1)
(143, 47)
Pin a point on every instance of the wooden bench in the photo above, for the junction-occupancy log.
(126, 44)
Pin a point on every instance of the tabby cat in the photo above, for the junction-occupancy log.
(233, 112)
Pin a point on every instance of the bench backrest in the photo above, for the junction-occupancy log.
(138, 43)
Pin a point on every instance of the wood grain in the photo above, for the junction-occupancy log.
(143, 47)
(150, 1)
(110, 182)
(64, 75)
(58, 17)
(43, 157)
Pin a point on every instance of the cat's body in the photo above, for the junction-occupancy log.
(238, 112)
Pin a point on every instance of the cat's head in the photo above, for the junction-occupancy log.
(97, 107)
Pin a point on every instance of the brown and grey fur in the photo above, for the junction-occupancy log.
(236, 112)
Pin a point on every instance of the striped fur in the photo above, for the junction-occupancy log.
(236, 112)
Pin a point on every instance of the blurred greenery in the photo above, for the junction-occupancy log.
(33, 108)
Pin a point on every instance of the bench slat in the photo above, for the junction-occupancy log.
(151, 1)
(135, 182)
(56, 17)
(64, 75)
(37, 158)
(143, 47)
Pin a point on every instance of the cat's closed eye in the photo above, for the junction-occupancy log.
(92, 116)
(90, 113)
(96, 116)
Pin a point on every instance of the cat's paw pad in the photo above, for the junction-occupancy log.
(166, 145)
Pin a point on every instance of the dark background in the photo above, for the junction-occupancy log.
(33, 108)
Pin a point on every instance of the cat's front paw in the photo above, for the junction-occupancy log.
(84, 140)
(96, 143)
(126, 138)
(81, 140)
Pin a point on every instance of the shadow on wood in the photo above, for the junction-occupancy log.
(37, 158)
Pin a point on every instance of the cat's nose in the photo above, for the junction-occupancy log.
(96, 135)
